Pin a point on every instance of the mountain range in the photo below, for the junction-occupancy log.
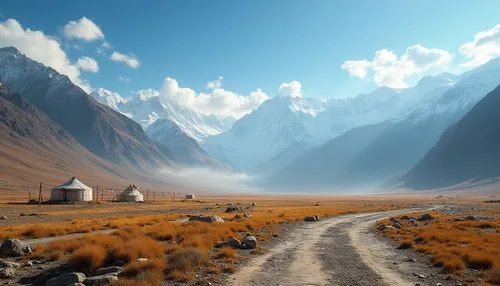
(404, 136)
(373, 154)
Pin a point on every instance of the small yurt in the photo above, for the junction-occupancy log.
(190, 197)
(72, 190)
(130, 194)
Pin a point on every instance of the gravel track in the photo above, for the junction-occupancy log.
(337, 251)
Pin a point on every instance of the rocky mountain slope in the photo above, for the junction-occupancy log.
(468, 150)
(103, 131)
(36, 149)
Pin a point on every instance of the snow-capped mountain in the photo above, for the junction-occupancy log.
(285, 121)
(145, 107)
(373, 154)
(184, 148)
(266, 131)
(109, 98)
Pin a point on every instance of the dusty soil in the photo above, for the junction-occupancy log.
(338, 251)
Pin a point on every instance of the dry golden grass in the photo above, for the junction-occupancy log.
(88, 258)
(183, 263)
(454, 244)
(179, 250)
(227, 254)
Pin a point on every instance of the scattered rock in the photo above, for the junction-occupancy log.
(33, 262)
(142, 259)
(237, 216)
(247, 215)
(439, 284)
(250, 242)
(396, 225)
(109, 270)
(3, 217)
(420, 275)
(409, 259)
(412, 221)
(233, 209)
(8, 272)
(232, 242)
(317, 204)
(5, 263)
(205, 218)
(426, 217)
(253, 204)
(311, 218)
(66, 279)
(13, 248)
(100, 280)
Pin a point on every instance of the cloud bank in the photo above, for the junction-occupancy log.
(389, 69)
(217, 101)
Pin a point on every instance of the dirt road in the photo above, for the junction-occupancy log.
(337, 251)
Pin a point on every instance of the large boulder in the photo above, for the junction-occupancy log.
(13, 248)
(205, 218)
(232, 242)
(66, 279)
(101, 280)
(250, 242)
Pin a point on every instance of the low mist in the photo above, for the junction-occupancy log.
(210, 181)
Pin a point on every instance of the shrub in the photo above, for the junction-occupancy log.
(185, 261)
(87, 258)
(227, 253)
(478, 260)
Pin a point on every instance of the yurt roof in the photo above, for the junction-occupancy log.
(131, 191)
(72, 184)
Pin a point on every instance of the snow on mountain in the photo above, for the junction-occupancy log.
(283, 121)
(266, 131)
(109, 98)
(146, 107)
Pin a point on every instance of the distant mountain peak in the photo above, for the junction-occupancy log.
(10, 50)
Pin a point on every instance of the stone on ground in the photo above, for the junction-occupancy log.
(100, 280)
(250, 242)
(66, 279)
(13, 248)
(205, 218)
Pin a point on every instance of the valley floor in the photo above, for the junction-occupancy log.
(342, 248)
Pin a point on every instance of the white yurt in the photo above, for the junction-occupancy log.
(72, 190)
(130, 194)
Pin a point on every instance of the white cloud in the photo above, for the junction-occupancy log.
(123, 79)
(390, 70)
(83, 29)
(484, 47)
(356, 68)
(130, 60)
(40, 47)
(87, 64)
(215, 83)
(290, 89)
(218, 101)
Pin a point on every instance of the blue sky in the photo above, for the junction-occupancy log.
(255, 44)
